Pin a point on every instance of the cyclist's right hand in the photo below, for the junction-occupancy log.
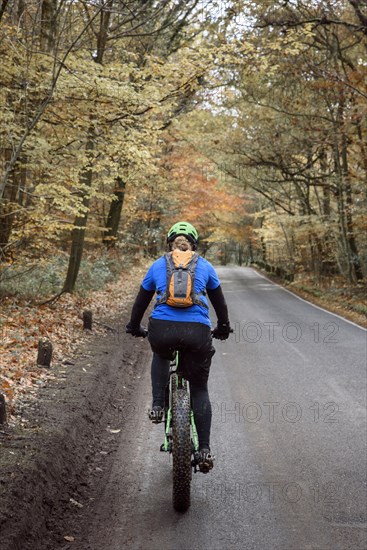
(137, 331)
(222, 331)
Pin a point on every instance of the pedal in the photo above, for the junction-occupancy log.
(206, 465)
(203, 466)
(156, 415)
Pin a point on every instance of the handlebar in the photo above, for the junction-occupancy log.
(144, 333)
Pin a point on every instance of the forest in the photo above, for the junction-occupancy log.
(118, 118)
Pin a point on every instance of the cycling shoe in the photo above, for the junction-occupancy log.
(206, 461)
(156, 414)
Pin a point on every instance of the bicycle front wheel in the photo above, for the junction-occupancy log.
(181, 449)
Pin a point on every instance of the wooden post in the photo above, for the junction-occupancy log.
(44, 352)
(87, 320)
(2, 409)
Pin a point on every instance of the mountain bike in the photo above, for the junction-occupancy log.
(180, 435)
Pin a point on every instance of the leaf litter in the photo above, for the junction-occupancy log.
(22, 325)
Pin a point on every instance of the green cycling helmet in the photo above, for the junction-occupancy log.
(183, 228)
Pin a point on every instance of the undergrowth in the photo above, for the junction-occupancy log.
(43, 278)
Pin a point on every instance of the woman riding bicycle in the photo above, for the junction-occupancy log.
(184, 327)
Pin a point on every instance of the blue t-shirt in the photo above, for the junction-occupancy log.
(205, 278)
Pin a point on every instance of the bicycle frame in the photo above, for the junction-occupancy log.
(180, 382)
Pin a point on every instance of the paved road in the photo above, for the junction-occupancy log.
(289, 434)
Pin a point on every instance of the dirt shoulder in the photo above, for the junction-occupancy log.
(66, 439)
(64, 422)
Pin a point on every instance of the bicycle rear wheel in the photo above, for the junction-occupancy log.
(181, 449)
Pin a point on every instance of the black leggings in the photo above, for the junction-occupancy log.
(195, 341)
(199, 395)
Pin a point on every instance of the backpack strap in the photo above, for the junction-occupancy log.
(170, 266)
(192, 270)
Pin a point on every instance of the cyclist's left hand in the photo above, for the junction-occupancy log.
(222, 331)
(137, 331)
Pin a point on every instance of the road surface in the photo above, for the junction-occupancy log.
(288, 393)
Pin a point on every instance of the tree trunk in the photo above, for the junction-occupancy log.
(48, 25)
(325, 189)
(6, 223)
(78, 233)
(329, 265)
(363, 148)
(20, 9)
(250, 252)
(355, 261)
(240, 254)
(23, 183)
(2, 409)
(338, 151)
(103, 31)
(264, 257)
(3, 5)
(114, 214)
(9, 205)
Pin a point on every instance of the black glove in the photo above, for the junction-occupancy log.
(222, 331)
(137, 331)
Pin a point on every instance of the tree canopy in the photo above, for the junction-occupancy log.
(247, 119)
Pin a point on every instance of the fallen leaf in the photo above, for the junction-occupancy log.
(76, 503)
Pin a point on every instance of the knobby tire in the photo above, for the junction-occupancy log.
(181, 449)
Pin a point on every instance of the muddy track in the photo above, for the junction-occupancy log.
(59, 457)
